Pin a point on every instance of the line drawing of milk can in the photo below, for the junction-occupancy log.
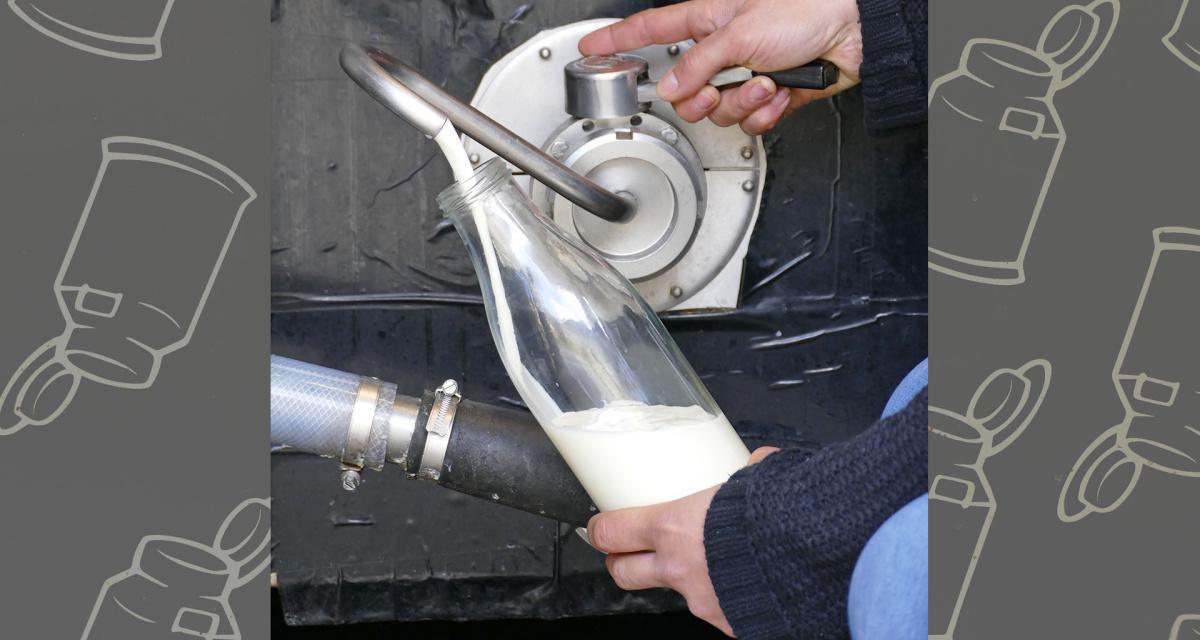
(1183, 39)
(136, 275)
(999, 137)
(1186, 627)
(1157, 376)
(961, 500)
(89, 26)
(177, 587)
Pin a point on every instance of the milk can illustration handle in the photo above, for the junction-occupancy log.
(178, 587)
(157, 213)
(1158, 380)
(999, 104)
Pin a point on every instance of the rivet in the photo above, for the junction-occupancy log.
(474, 158)
(747, 153)
(544, 53)
(673, 50)
(748, 185)
(676, 292)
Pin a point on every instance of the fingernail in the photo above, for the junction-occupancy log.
(704, 100)
(760, 92)
(781, 98)
(668, 85)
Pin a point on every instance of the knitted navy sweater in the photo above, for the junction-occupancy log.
(782, 536)
(895, 67)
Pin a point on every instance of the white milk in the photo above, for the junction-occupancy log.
(531, 391)
(629, 454)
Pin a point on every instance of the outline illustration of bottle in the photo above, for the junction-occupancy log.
(136, 275)
(998, 138)
(86, 25)
(178, 587)
(960, 496)
(1183, 39)
(1157, 376)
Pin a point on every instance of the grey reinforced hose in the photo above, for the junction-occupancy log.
(320, 410)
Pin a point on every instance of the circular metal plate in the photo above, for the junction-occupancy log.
(708, 274)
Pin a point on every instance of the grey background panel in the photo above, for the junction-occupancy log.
(1128, 166)
(118, 464)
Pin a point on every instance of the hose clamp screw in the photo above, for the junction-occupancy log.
(351, 479)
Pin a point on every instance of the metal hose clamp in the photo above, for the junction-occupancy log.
(358, 434)
(437, 429)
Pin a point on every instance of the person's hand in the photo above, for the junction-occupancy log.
(764, 35)
(663, 546)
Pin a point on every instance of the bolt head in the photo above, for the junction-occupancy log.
(748, 185)
(558, 149)
(747, 153)
(673, 50)
(544, 53)
(670, 135)
(351, 479)
(676, 292)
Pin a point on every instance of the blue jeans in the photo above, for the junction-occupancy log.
(889, 590)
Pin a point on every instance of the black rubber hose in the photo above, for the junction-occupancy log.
(504, 456)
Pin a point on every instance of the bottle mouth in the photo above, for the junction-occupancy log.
(462, 194)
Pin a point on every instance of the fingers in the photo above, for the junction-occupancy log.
(665, 25)
(766, 117)
(700, 63)
(624, 530)
(739, 102)
(634, 571)
(699, 106)
(760, 453)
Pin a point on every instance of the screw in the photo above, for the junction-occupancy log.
(544, 53)
(473, 158)
(558, 149)
(449, 387)
(747, 153)
(351, 479)
(673, 50)
(748, 185)
(676, 292)
(669, 135)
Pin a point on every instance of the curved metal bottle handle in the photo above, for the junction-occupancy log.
(427, 106)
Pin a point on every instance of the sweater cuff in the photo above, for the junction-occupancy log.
(893, 81)
(740, 585)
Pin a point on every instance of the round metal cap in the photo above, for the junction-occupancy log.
(604, 86)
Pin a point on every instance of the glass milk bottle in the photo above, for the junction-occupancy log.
(590, 358)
